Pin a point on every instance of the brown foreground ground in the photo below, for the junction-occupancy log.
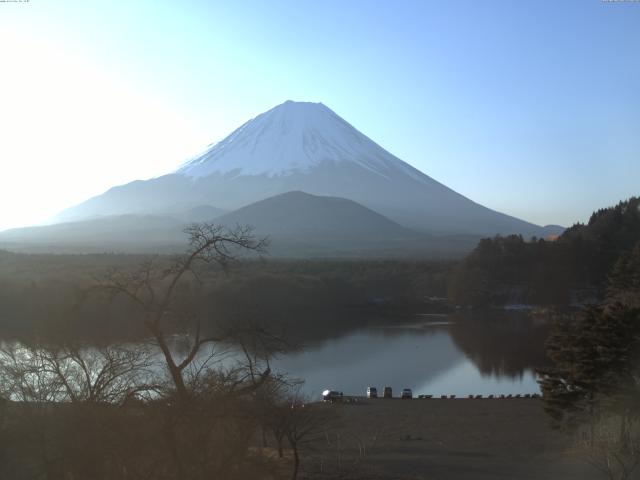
(459, 439)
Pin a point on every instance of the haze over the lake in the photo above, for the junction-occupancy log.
(532, 109)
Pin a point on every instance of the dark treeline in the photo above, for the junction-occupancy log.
(44, 294)
(570, 269)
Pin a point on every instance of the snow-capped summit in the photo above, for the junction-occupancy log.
(293, 137)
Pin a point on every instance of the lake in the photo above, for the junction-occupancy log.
(492, 352)
(466, 352)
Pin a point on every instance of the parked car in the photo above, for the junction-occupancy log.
(332, 396)
(372, 392)
(407, 393)
(387, 392)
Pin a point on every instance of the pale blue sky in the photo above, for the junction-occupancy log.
(528, 107)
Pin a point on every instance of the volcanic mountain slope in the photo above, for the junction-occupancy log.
(298, 225)
(306, 147)
(299, 215)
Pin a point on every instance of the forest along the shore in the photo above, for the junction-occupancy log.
(194, 419)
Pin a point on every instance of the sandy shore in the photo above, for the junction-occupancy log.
(444, 439)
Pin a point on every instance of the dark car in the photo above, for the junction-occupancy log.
(387, 392)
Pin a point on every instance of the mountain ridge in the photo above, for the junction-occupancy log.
(298, 214)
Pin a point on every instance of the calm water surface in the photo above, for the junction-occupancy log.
(459, 354)
(437, 355)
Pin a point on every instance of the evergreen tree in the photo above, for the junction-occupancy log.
(624, 280)
(508, 269)
(595, 359)
(597, 354)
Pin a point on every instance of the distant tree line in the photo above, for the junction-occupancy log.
(572, 268)
(41, 294)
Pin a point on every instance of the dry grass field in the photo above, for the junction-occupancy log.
(448, 439)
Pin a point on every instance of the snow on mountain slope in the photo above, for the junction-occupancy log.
(294, 137)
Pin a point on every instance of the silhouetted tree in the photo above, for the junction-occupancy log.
(154, 290)
(301, 423)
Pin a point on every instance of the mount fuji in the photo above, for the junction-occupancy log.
(300, 173)
(301, 146)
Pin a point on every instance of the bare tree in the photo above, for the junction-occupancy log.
(62, 403)
(300, 423)
(155, 290)
(203, 430)
(106, 374)
(40, 373)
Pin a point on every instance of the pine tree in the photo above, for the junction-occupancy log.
(595, 359)
(597, 354)
(624, 280)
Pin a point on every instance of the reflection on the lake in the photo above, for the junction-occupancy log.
(460, 354)
(499, 342)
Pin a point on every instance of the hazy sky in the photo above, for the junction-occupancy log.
(528, 107)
